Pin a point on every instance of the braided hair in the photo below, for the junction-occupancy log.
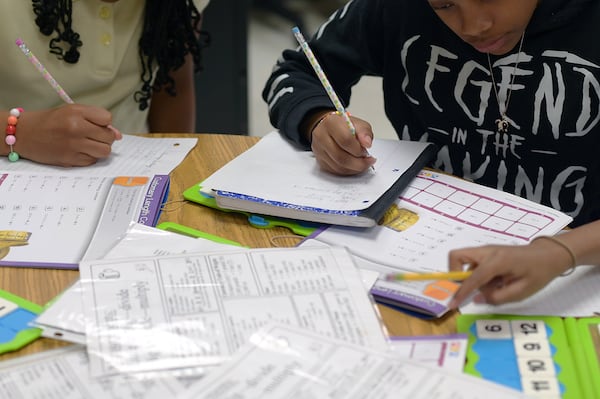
(170, 32)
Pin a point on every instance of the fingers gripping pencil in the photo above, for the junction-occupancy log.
(50, 79)
(323, 78)
(325, 82)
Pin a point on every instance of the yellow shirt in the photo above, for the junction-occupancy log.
(106, 75)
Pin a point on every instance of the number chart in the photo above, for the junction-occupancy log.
(542, 356)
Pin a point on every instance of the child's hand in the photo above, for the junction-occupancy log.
(338, 151)
(70, 135)
(504, 273)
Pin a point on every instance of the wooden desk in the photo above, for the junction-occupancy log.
(211, 152)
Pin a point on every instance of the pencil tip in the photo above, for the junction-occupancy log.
(295, 29)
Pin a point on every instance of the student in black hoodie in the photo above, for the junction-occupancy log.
(509, 90)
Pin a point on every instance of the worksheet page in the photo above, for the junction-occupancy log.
(64, 373)
(49, 214)
(282, 362)
(438, 213)
(49, 220)
(171, 312)
(65, 319)
(131, 156)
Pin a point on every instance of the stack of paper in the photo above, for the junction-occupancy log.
(163, 316)
(285, 363)
(177, 311)
(66, 320)
(276, 178)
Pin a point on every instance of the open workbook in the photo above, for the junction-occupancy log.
(51, 221)
(52, 217)
(276, 178)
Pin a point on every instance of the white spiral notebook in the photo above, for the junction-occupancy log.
(276, 178)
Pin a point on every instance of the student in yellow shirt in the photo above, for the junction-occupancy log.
(504, 273)
(125, 63)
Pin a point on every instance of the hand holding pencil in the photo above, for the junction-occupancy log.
(70, 135)
(340, 142)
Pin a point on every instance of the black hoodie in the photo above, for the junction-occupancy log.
(438, 88)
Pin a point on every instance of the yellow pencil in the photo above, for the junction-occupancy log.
(457, 276)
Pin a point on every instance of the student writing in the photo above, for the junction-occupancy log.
(129, 64)
(508, 90)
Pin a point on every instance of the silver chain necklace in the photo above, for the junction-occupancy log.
(502, 122)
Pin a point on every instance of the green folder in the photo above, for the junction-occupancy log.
(574, 345)
(190, 232)
(15, 315)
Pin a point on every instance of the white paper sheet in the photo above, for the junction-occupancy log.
(283, 362)
(438, 213)
(311, 186)
(65, 319)
(141, 240)
(575, 295)
(169, 312)
(131, 156)
(63, 374)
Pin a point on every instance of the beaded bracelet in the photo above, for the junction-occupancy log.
(11, 130)
(566, 248)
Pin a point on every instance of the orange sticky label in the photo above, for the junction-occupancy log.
(130, 181)
(441, 289)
